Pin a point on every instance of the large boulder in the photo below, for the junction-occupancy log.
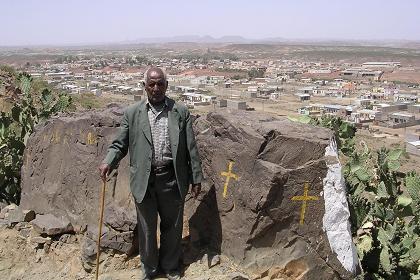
(268, 185)
(60, 175)
(283, 210)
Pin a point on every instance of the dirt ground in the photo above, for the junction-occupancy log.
(19, 260)
(390, 139)
(402, 76)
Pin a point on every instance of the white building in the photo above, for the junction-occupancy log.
(197, 99)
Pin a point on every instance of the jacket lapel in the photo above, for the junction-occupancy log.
(173, 123)
(144, 122)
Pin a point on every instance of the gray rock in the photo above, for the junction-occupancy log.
(214, 260)
(88, 254)
(68, 238)
(210, 260)
(111, 239)
(237, 276)
(51, 225)
(89, 248)
(41, 240)
(8, 208)
(92, 232)
(2, 205)
(119, 241)
(13, 214)
(25, 232)
(119, 219)
(22, 225)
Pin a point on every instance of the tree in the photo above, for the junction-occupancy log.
(256, 73)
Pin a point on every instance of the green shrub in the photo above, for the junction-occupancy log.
(16, 124)
(384, 205)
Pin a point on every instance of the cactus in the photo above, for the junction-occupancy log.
(384, 206)
(17, 124)
(394, 215)
(412, 184)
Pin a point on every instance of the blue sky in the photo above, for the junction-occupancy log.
(33, 22)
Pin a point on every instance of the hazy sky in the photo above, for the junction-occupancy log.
(32, 22)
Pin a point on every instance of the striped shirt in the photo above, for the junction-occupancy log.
(158, 119)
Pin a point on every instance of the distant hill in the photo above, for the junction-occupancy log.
(190, 40)
(275, 40)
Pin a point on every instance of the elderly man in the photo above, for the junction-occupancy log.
(164, 161)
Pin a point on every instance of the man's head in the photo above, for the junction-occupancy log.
(155, 84)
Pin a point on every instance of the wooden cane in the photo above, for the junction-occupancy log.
(101, 216)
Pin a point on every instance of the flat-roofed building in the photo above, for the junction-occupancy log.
(249, 94)
(406, 97)
(401, 117)
(377, 64)
(312, 109)
(363, 116)
(238, 105)
(361, 74)
(413, 147)
(303, 96)
(197, 99)
(414, 108)
(332, 109)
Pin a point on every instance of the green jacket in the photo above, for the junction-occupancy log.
(135, 136)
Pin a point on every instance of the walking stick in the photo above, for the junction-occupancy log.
(101, 216)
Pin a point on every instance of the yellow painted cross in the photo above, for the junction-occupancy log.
(55, 137)
(304, 198)
(228, 175)
(91, 138)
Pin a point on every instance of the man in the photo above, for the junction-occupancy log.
(164, 160)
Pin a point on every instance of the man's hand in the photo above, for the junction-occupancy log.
(104, 170)
(196, 189)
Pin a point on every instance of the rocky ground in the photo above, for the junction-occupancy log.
(43, 247)
(22, 259)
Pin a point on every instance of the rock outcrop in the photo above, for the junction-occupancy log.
(60, 177)
(262, 203)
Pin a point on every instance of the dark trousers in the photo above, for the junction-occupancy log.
(163, 198)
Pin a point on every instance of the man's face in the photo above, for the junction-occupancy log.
(156, 86)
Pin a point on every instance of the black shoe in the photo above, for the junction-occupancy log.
(149, 276)
(173, 275)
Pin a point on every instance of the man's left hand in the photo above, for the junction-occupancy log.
(196, 189)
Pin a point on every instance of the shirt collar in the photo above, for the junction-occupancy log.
(148, 104)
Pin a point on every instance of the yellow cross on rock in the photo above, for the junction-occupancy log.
(228, 175)
(305, 197)
(91, 139)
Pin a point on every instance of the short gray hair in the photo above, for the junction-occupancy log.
(165, 76)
